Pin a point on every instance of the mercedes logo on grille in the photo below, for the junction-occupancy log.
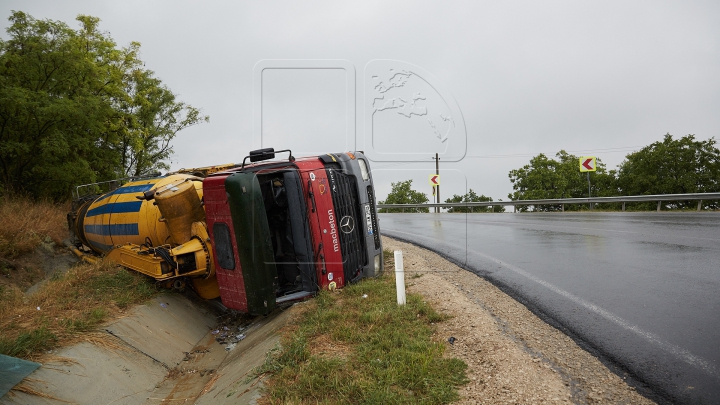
(347, 224)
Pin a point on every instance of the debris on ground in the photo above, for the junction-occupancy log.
(229, 329)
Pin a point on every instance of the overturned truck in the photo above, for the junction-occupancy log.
(254, 235)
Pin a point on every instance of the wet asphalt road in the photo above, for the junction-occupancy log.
(640, 290)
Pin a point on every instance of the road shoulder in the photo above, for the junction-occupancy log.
(512, 355)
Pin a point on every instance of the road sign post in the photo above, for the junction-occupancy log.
(588, 164)
(436, 186)
(588, 174)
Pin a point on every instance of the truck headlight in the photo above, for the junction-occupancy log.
(377, 265)
(364, 169)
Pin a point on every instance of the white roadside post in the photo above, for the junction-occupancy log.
(399, 277)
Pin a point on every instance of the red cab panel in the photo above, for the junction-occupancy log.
(219, 222)
(323, 223)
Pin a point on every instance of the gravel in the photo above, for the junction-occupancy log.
(512, 355)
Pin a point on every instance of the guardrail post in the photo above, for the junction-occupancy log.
(658, 209)
(623, 206)
(562, 207)
(699, 205)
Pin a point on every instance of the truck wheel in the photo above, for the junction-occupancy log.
(179, 285)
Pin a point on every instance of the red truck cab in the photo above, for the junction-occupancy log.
(283, 230)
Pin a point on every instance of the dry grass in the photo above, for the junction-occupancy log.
(25, 223)
(26, 386)
(66, 361)
(325, 346)
(67, 307)
(103, 341)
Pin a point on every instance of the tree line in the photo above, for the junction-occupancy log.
(670, 166)
(75, 108)
(402, 193)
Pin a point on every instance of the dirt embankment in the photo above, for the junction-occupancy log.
(512, 355)
(30, 235)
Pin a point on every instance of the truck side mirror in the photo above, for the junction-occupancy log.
(262, 154)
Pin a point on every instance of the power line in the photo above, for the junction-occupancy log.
(605, 150)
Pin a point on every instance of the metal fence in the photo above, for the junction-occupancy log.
(699, 197)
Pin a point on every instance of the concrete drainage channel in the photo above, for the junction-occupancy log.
(164, 351)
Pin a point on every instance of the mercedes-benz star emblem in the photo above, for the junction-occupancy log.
(347, 224)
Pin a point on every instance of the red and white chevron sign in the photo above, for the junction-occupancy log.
(588, 164)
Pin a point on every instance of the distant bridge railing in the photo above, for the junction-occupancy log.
(563, 201)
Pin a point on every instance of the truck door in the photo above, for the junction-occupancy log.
(300, 226)
(254, 242)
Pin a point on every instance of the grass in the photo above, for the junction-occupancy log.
(69, 305)
(66, 307)
(26, 223)
(349, 349)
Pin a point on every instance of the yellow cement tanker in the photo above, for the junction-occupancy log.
(255, 235)
(155, 226)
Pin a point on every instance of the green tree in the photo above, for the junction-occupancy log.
(73, 108)
(545, 178)
(672, 166)
(471, 196)
(402, 193)
(55, 113)
(153, 118)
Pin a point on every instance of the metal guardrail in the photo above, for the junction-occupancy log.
(91, 188)
(562, 201)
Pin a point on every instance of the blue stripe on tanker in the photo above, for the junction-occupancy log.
(113, 230)
(119, 207)
(128, 190)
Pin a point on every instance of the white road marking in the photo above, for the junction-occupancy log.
(676, 351)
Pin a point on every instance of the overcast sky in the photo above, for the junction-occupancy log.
(489, 84)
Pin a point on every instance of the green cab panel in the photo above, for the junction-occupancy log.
(254, 241)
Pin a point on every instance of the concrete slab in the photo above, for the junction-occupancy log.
(168, 354)
(156, 336)
(164, 328)
(99, 376)
(185, 382)
(232, 384)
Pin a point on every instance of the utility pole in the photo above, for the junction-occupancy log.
(437, 188)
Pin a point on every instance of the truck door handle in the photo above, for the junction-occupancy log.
(312, 196)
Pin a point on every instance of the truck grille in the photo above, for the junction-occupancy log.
(352, 242)
(373, 216)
